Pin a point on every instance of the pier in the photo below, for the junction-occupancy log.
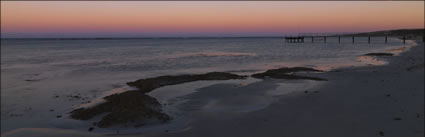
(294, 39)
(338, 38)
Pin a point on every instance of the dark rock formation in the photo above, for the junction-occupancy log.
(381, 133)
(137, 108)
(130, 106)
(149, 84)
(379, 54)
(285, 73)
(397, 118)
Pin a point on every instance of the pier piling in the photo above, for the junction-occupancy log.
(404, 39)
(301, 38)
(368, 40)
(294, 39)
(386, 39)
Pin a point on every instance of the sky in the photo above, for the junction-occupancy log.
(38, 19)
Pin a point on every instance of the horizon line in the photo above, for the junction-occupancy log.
(188, 37)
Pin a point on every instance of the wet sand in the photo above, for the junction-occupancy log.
(364, 101)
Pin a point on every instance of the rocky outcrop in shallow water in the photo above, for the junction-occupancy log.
(130, 106)
(379, 54)
(286, 73)
(149, 84)
(137, 108)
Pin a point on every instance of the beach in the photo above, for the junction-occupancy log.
(379, 99)
(212, 69)
(362, 101)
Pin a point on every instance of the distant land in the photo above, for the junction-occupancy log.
(397, 32)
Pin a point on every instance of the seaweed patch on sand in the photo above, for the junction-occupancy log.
(287, 73)
(149, 84)
(130, 106)
(379, 54)
(135, 107)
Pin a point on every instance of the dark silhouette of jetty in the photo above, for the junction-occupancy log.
(404, 35)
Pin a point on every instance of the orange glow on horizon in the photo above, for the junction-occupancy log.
(206, 17)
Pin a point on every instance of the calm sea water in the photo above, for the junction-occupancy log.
(40, 76)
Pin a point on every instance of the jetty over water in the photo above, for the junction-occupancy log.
(353, 38)
(299, 39)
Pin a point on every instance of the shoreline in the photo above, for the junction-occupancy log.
(363, 101)
(293, 97)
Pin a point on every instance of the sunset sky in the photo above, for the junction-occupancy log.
(198, 18)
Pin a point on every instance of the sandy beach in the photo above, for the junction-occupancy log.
(363, 101)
